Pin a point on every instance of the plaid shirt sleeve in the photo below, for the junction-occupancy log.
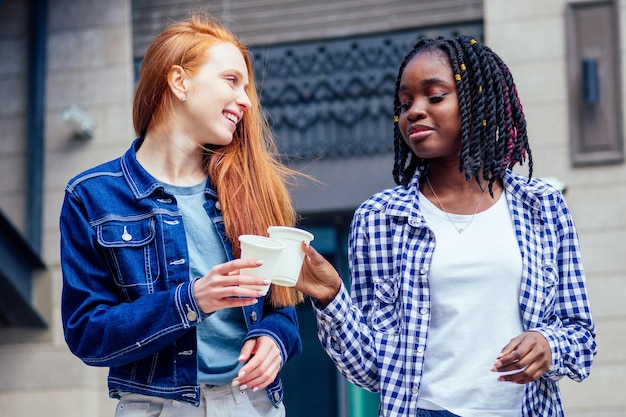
(347, 341)
(561, 310)
(343, 327)
(553, 298)
(369, 333)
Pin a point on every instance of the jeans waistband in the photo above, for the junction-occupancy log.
(220, 390)
(434, 413)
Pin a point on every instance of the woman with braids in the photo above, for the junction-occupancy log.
(150, 287)
(468, 295)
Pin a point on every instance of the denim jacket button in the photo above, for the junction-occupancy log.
(253, 316)
(192, 316)
(218, 206)
(276, 395)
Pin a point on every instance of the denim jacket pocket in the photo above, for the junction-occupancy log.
(131, 253)
(386, 311)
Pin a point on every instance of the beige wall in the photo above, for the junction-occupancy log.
(90, 64)
(530, 36)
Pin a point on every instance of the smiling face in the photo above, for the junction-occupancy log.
(216, 96)
(429, 119)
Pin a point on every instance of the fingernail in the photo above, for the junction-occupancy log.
(255, 389)
(240, 358)
(259, 261)
(235, 383)
(244, 387)
(240, 374)
(267, 281)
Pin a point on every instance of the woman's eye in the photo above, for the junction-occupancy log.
(404, 106)
(232, 79)
(437, 98)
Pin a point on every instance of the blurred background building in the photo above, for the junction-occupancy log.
(326, 70)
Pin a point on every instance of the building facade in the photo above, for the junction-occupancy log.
(61, 55)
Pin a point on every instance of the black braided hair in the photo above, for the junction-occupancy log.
(493, 126)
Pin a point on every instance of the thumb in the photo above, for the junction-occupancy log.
(247, 350)
(314, 257)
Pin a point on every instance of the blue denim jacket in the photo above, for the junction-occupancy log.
(127, 300)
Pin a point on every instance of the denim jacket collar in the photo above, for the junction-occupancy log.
(141, 183)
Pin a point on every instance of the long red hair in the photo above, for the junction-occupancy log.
(251, 181)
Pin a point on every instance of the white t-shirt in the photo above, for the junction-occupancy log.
(474, 283)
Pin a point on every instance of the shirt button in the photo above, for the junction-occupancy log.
(423, 311)
(415, 390)
(537, 228)
(423, 271)
(420, 349)
(192, 316)
(253, 316)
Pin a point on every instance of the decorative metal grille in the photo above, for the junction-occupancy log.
(334, 98)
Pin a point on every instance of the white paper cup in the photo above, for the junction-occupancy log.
(289, 265)
(264, 248)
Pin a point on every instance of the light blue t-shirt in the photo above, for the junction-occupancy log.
(220, 336)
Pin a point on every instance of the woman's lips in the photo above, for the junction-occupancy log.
(419, 132)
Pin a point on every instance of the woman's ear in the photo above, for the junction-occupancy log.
(176, 79)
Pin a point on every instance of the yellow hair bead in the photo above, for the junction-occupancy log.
(457, 77)
(395, 119)
(484, 122)
(480, 88)
(463, 68)
(473, 42)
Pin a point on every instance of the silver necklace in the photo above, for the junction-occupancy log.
(458, 229)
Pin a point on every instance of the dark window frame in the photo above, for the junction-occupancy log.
(19, 264)
(594, 83)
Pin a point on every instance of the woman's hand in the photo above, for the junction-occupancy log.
(318, 278)
(263, 363)
(220, 288)
(530, 353)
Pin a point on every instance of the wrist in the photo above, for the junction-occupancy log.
(324, 298)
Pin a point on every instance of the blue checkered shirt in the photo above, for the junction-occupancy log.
(374, 334)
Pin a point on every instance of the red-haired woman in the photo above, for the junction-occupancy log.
(149, 245)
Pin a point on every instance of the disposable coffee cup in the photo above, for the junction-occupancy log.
(289, 265)
(264, 248)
